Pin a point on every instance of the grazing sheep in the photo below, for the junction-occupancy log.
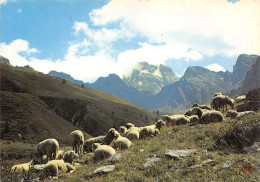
(202, 106)
(232, 114)
(242, 114)
(148, 131)
(175, 120)
(60, 154)
(193, 118)
(20, 168)
(107, 139)
(205, 107)
(129, 125)
(103, 151)
(211, 117)
(69, 156)
(241, 98)
(122, 143)
(53, 167)
(47, 147)
(77, 141)
(122, 129)
(131, 134)
(221, 101)
(194, 111)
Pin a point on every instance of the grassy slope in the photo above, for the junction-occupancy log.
(200, 137)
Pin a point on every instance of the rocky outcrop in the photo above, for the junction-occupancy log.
(252, 79)
(4, 60)
(242, 66)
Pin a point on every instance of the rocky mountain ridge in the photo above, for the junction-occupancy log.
(198, 84)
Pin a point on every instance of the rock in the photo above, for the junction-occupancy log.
(207, 161)
(178, 154)
(227, 164)
(115, 158)
(39, 166)
(104, 169)
(195, 166)
(151, 160)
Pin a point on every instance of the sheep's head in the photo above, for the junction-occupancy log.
(195, 105)
(217, 93)
(122, 129)
(129, 125)
(160, 123)
(95, 146)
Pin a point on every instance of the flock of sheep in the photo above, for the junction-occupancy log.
(51, 160)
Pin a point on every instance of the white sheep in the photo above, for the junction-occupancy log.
(122, 143)
(194, 111)
(47, 147)
(175, 119)
(77, 141)
(232, 113)
(103, 151)
(54, 167)
(69, 156)
(148, 131)
(211, 117)
(132, 133)
(107, 139)
(202, 106)
(244, 113)
(221, 102)
(193, 118)
(240, 98)
(20, 168)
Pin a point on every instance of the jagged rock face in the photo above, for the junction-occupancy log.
(4, 60)
(150, 79)
(198, 85)
(252, 79)
(242, 66)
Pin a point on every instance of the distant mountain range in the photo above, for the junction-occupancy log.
(157, 88)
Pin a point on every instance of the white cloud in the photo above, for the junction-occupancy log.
(3, 2)
(14, 50)
(235, 26)
(215, 67)
(154, 54)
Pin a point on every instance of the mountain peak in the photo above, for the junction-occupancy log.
(150, 78)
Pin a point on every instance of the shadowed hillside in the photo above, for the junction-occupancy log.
(91, 110)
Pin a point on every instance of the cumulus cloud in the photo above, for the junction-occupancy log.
(15, 50)
(194, 23)
(215, 67)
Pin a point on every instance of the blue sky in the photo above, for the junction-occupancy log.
(88, 39)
